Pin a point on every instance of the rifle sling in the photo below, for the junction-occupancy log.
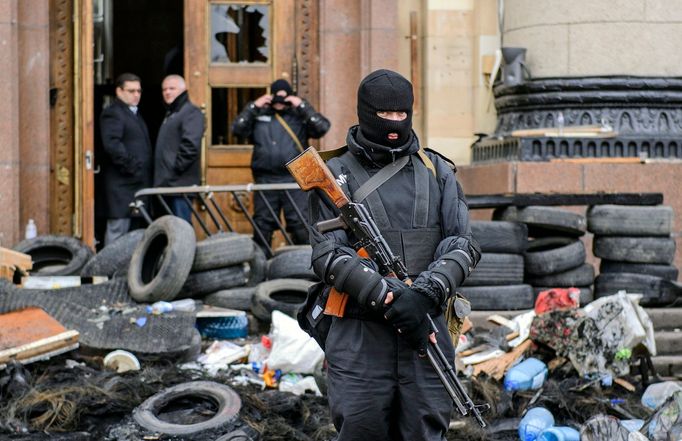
(290, 132)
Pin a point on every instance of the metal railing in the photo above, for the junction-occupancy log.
(206, 196)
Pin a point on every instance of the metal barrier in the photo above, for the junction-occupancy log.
(206, 195)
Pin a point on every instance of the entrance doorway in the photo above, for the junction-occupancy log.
(140, 37)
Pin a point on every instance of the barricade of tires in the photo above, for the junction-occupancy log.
(497, 281)
(555, 258)
(636, 251)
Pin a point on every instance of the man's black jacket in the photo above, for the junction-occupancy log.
(273, 147)
(126, 164)
(178, 146)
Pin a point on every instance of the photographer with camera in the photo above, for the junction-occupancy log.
(279, 125)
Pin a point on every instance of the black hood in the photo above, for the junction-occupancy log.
(377, 153)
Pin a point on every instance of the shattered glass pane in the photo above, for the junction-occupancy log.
(240, 33)
(226, 103)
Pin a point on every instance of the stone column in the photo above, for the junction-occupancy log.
(34, 113)
(356, 37)
(9, 125)
(596, 37)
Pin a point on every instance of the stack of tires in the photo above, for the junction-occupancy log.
(555, 258)
(637, 251)
(497, 281)
(168, 263)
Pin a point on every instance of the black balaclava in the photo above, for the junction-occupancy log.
(278, 85)
(388, 91)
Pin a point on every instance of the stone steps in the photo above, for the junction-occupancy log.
(668, 365)
(668, 342)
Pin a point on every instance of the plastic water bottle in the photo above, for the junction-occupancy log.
(187, 305)
(534, 422)
(529, 374)
(31, 230)
(560, 433)
(159, 307)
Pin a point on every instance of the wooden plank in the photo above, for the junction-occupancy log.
(557, 199)
(30, 332)
(497, 367)
(7, 272)
(86, 124)
(16, 259)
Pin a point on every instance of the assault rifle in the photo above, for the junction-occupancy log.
(311, 172)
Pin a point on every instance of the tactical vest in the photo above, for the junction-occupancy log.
(415, 244)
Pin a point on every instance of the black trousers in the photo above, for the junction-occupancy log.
(279, 202)
(379, 389)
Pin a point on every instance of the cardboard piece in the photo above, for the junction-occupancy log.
(31, 334)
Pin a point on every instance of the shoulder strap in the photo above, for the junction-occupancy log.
(290, 132)
(380, 178)
(427, 161)
(375, 205)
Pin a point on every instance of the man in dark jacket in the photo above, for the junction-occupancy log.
(279, 126)
(178, 146)
(380, 385)
(126, 165)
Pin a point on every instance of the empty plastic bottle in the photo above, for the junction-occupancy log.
(159, 307)
(560, 433)
(183, 305)
(31, 230)
(529, 374)
(534, 422)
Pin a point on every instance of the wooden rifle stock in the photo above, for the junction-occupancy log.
(311, 172)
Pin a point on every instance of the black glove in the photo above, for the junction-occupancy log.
(407, 313)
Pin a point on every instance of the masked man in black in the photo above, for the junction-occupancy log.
(279, 125)
(380, 385)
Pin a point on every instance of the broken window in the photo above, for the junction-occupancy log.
(226, 103)
(240, 33)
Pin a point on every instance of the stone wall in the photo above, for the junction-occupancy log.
(596, 37)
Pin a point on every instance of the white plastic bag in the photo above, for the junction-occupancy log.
(292, 349)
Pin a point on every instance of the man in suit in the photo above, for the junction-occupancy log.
(177, 158)
(127, 163)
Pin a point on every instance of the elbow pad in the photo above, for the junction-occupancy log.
(451, 270)
(348, 275)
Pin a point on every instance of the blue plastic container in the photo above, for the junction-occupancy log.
(560, 433)
(534, 422)
(529, 374)
(223, 328)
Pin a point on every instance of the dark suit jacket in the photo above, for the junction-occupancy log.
(178, 146)
(127, 163)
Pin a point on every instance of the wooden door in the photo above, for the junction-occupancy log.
(233, 51)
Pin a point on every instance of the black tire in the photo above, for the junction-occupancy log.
(497, 269)
(285, 295)
(113, 259)
(668, 272)
(222, 250)
(500, 236)
(234, 298)
(497, 298)
(575, 277)
(553, 255)
(294, 264)
(240, 435)
(545, 221)
(55, 255)
(586, 293)
(628, 220)
(226, 399)
(257, 266)
(162, 261)
(656, 291)
(205, 282)
(635, 249)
